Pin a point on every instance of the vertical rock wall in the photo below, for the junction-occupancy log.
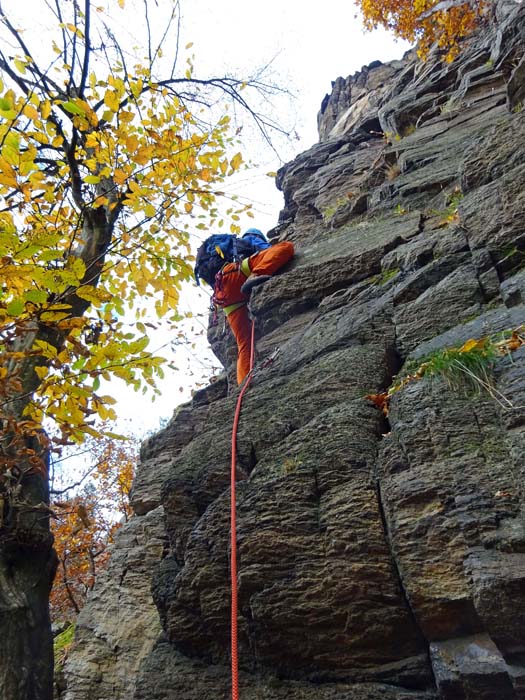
(379, 557)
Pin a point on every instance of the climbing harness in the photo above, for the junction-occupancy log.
(217, 299)
(233, 526)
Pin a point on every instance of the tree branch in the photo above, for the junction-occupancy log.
(74, 55)
(149, 32)
(177, 41)
(67, 586)
(33, 66)
(87, 48)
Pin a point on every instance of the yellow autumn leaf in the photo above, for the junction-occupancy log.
(93, 294)
(9, 180)
(119, 176)
(126, 117)
(236, 161)
(45, 109)
(31, 113)
(46, 349)
(53, 316)
(20, 65)
(111, 100)
(473, 344)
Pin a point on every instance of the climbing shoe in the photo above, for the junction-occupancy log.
(253, 281)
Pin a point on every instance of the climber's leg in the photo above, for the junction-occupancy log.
(240, 324)
(268, 261)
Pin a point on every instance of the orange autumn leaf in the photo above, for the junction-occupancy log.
(426, 22)
(380, 401)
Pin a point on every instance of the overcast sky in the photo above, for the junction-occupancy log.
(311, 44)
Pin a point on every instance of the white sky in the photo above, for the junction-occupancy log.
(309, 46)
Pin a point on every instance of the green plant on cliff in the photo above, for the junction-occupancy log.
(61, 645)
(450, 106)
(450, 213)
(465, 369)
(291, 464)
(400, 210)
(426, 22)
(385, 276)
(331, 210)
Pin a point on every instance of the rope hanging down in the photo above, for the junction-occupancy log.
(233, 527)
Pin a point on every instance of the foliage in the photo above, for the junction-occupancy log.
(385, 276)
(400, 210)
(461, 367)
(444, 22)
(85, 523)
(106, 167)
(331, 210)
(61, 646)
(453, 203)
(291, 464)
(464, 368)
(392, 170)
(450, 214)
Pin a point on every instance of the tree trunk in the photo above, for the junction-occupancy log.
(27, 559)
(27, 568)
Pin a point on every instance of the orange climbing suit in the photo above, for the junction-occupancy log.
(234, 302)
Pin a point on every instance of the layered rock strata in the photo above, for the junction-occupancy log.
(380, 557)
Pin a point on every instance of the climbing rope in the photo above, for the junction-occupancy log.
(233, 525)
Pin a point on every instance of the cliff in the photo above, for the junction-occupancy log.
(381, 557)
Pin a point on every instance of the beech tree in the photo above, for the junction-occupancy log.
(428, 22)
(107, 163)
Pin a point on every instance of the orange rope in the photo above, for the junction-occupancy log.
(233, 527)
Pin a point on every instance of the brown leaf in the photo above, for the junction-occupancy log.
(380, 401)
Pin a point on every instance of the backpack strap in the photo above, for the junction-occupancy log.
(245, 267)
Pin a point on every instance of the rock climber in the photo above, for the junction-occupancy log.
(233, 284)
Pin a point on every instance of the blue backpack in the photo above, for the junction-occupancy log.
(221, 248)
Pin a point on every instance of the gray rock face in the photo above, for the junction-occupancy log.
(379, 557)
(119, 626)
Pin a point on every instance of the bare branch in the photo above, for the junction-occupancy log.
(64, 35)
(177, 42)
(150, 59)
(76, 179)
(87, 48)
(68, 588)
(166, 32)
(74, 54)
(78, 483)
